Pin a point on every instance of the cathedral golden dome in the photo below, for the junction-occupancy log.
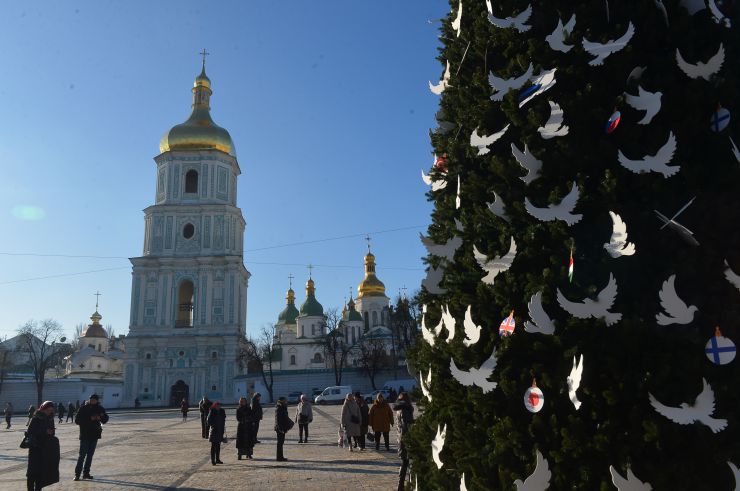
(199, 132)
(371, 286)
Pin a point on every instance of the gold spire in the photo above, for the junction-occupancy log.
(371, 286)
(310, 289)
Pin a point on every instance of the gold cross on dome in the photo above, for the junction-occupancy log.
(97, 298)
(204, 53)
(290, 279)
(310, 271)
(367, 238)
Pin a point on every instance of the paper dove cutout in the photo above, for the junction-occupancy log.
(731, 276)
(645, 101)
(618, 245)
(431, 282)
(699, 412)
(702, 70)
(429, 334)
(463, 487)
(476, 376)
(449, 321)
(562, 211)
(602, 51)
(436, 185)
(735, 474)
(437, 444)
(482, 142)
(693, 6)
(443, 83)
(539, 480)
(426, 385)
(516, 22)
(489, 7)
(458, 225)
(636, 73)
(501, 86)
(457, 196)
(735, 151)
(629, 484)
(472, 331)
(446, 250)
(659, 5)
(497, 207)
(554, 126)
(527, 160)
(556, 39)
(598, 308)
(676, 310)
(717, 15)
(456, 23)
(541, 322)
(653, 163)
(496, 265)
(574, 381)
(444, 126)
(544, 81)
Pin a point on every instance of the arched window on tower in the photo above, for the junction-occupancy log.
(191, 181)
(367, 320)
(292, 359)
(185, 304)
(375, 318)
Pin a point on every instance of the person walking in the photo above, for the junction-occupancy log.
(303, 416)
(381, 419)
(184, 408)
(31, 412)
(404, 419)
(351, 420)
(90, 418)
(8, 414)
(204, 406)
(43, 449)
(60, 410)
(244, 430)
(364, 418)
(257, 413)
(283, 424)
(70, 412)
(217, 431)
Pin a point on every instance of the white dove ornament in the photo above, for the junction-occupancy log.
(426, 385)
(472, 331)
(540, 322)
(645, 101)
(732, 276)
(516, 22)
(735, 474)
(528, 162)
(676, 310)
(719, 17)
(653, 163)
(598, 308)
(449, 322)
(699, 412)
(602, 51)
(437, 444)
(463, 487)
(429, 334)
(554, 126)
(501, 86)
(561, 211)
(539, 480)
(631, 483)
(497, 207)
(458, 20)
(483, 142)
(446, 250)
(735, 151)
(574, 381)
(702, 70)
(618, 245)
(431, 282)
(556, 39)
(496, 265)
(476, 376)
(443, 83)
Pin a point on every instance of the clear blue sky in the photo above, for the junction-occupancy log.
(327, 103)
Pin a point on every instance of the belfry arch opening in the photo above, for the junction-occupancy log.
(191, 181)
(185, 296)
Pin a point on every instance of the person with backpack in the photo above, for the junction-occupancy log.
(283, 424)
(303, 416)
(43, 449)
(404, 412)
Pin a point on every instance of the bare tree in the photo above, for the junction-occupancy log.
(42, 343)
(404, 323)
(76, 342)
(110, 331)
(334, 343)
(373, 356)
(6, 364)
(258, 354)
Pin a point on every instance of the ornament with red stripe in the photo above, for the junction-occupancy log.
(719, 349)
(534, 399)
(613, 122)
(507, 326)
(440, 163)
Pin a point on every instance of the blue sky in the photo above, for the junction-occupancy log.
(327, 103)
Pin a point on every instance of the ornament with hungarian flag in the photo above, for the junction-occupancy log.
(719, 349)
(507, 326)
(534, 399)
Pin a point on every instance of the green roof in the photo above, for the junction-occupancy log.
(311, 307)
(288, 315)
(353, 315)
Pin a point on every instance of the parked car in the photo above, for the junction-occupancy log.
(294, 397)
(333, 395)
(399, 385)
(369, 398)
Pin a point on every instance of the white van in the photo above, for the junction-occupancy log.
(334, 394)
(399, 385)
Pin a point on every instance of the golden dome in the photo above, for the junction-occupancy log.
(199, 132)
(94, 330)
(371, 286)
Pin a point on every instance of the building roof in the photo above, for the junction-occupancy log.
(290, 312)
(371, 286)
(311, 306)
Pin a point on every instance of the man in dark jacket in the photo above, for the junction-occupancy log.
(283, 424)
(256, 414)
(90, 418)
(404, 419)
(204, 406)
(43, 449)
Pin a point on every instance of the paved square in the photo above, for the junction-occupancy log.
(154, 450)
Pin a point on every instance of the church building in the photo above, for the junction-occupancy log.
(189, 286)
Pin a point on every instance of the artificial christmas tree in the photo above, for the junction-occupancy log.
(616, 107)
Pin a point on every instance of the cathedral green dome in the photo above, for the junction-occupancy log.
(311, 306)
(289, 313)
(352, 314)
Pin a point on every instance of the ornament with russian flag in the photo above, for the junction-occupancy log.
(613, 122)
(570, 267)
(719, 349)
(507, 326)
(534, 399)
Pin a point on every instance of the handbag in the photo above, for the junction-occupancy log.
(225, 439)
(25, 442)
(370, 437)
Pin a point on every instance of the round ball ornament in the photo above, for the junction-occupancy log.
(534, 399)
(613, 122)
(720, 119)
(719, 349)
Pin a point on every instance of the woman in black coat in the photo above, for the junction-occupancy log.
(43, 449)
(216, 431)
(245, 430)
(283, 424)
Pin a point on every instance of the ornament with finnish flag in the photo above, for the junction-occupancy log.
(534, 399)
(613, 122)
(720, 119)
(570, 266)
(719, 349)
(507, 326)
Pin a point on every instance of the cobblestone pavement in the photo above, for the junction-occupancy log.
(157, 451)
